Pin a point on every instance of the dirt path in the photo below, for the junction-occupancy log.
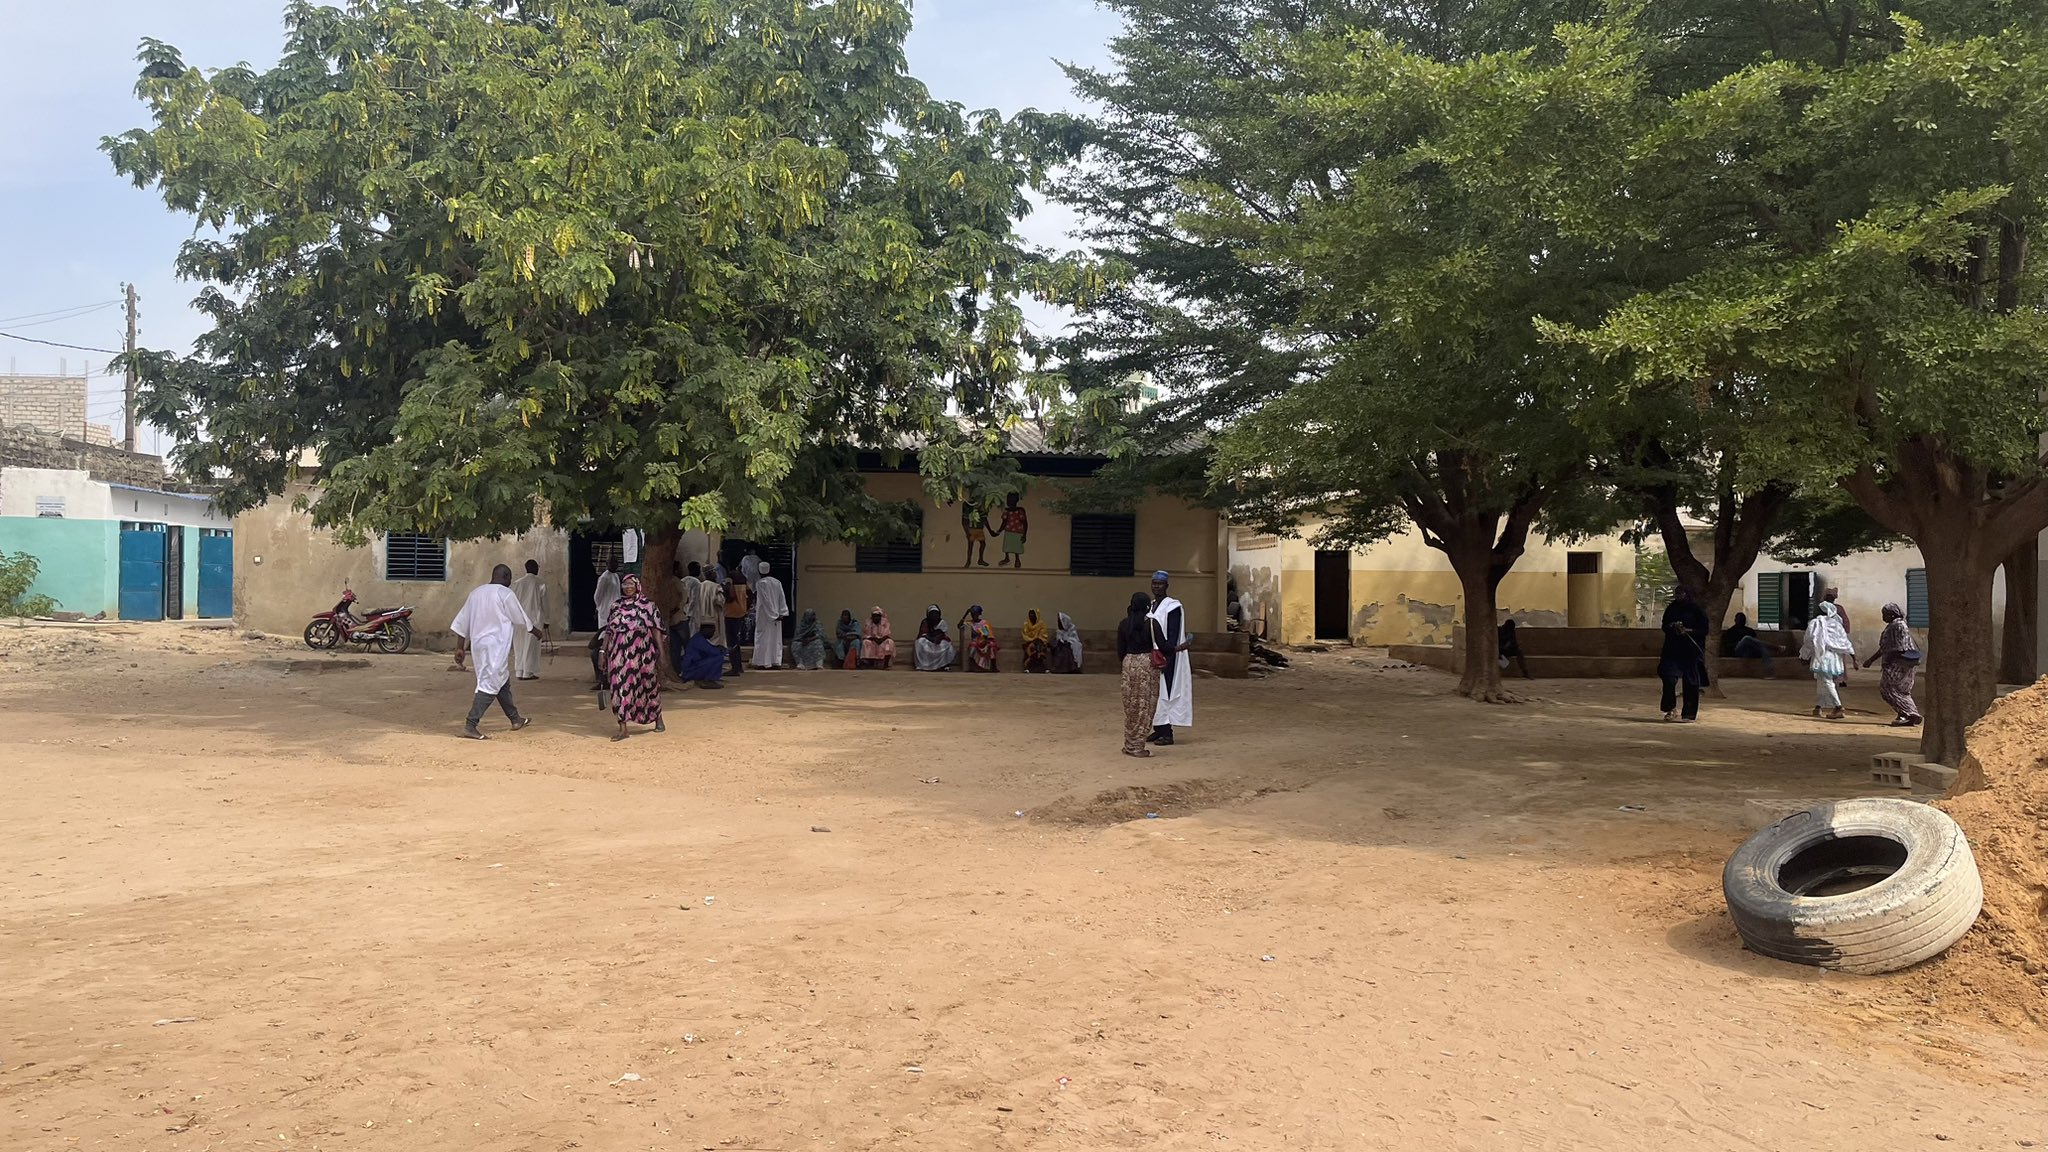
(250, 905)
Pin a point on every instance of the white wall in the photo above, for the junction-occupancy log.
(1868, 581)
(84, 497)
(164, 507)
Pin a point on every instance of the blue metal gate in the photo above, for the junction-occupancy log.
(216, 575)
(142, 573)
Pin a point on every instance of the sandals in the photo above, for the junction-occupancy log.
(523, 722)
(473, 734)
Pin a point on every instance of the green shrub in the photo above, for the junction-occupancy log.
(17, 573)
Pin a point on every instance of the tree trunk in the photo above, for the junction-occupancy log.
(2018, 661)
(1481, 680)
(1958, 674)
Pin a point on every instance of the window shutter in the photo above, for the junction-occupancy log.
(1916, 597)
(410, 556)
(1770, 598)
(903, 555)
(1103, 546)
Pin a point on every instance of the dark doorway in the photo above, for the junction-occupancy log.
(781, 561)
(588, 554)
(1333, 595)
(174, 572)
(1800, 597)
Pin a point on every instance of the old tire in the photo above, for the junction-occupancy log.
(1863, 886)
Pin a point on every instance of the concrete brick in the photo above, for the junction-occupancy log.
(1932, 777)
(1891, 770)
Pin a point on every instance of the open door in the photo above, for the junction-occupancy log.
(1333, 596)
(1582, 589)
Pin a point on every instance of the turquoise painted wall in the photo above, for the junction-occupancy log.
(80, 559)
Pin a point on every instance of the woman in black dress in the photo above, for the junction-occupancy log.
(1683, 662)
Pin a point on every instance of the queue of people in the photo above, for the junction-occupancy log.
(499, 625)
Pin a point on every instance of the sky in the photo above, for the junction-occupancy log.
(72, 231)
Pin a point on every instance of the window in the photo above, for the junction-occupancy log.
(1103, 546)
(904, 554)
(411, 556)
(1916, 598)
(1770, 598)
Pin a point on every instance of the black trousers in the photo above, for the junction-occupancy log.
(735, 633)
(597, 662)
(678, 639)
(1692, 697)
(482, 704)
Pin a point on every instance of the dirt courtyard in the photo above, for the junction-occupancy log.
(255, 902)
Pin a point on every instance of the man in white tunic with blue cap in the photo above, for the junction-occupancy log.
(1177, 678)
(490, 620)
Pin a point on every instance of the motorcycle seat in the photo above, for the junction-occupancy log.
(383, 611)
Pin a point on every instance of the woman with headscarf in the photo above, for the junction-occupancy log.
(846, 640)
(1066, 647)
(1037, 638)
(1901, 655)
(935, 651)
(980, 640)
(1683, 662)
(877, 642)
(807, 648)
(1136, 641)
(633, 638)
(1828, 653)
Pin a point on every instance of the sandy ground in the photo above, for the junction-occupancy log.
(252, 901)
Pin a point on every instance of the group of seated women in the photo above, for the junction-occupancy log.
(871, 643)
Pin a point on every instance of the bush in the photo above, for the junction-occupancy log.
(17, 573)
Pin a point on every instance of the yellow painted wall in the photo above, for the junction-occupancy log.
(1183, 540)
(1404, 592)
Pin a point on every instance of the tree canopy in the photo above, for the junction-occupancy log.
(665, 263)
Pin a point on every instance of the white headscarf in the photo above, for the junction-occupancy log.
(1826, 634)
(1070, 636)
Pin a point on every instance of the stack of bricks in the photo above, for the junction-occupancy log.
(28, 448)
(49, 404)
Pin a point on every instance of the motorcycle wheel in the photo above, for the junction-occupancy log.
(403, 632)
(322, 635)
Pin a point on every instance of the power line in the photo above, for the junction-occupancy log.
(54, 311)
(68, 316)
(58, 344)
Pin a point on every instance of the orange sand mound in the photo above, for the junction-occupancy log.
(2000, 970)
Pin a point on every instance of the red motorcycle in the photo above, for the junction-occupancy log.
(390, 629)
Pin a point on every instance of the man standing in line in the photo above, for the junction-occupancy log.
(1016, 529)
(532, 592)
(489, 621)
(682, 626)
(1177, 675)
(607, 595)
(738, 604)
(771, 608)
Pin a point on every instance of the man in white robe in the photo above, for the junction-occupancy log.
(532, 592)
(771, 608)
(490, 620)
(1176, 680)
(607, 595)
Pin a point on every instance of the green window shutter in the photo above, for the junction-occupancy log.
(1770, 598)
(1916, 597)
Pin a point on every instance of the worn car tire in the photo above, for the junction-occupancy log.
(1863, 886)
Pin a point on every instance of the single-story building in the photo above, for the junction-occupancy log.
(1086, 565)
(1402, 591)
(111, 537)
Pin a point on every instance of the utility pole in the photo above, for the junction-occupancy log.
(128, 395)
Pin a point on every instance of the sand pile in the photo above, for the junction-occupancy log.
(2000, 970)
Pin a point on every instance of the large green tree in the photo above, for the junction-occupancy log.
(1862, 205)
(1334, 219)
(664, 263)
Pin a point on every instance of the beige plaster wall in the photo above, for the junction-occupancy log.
(1184, 541)
(1404, 592)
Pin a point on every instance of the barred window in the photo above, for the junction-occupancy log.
(412, 557)
(904, 554)
(1103, 546)
(1917, 615)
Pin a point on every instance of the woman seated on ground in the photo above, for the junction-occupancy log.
(808, 646)
(1037, 643)
(877, 642)
(846, 640)
(703, 659)
(1066, 647)
(980, 640)
(935, 651)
